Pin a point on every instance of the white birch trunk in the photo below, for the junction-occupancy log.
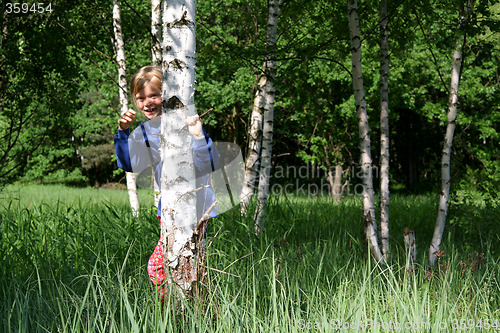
(254, 146)
(337, 183)
(123, 93)
(411, 247)
(370, 225)
(335, 180)
(178, 211)
(267, 135)
(448, 139)
(384, 129)
(156, 30)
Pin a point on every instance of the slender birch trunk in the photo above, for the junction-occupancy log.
(123, 93)
(178, 213)
(384, 129)
(370, 226)
(254, 146)
(267, 129)
(337, 183)
(156, 31)
(335, 180)
(411, 247)
(448, 139)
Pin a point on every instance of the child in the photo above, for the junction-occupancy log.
(138, 150)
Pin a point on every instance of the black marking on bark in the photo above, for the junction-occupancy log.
(182, 21)
(177, 64)
(180, 179)
(173, 103)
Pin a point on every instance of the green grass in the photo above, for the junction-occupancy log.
(74, 260)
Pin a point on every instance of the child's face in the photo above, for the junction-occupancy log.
(148, 100)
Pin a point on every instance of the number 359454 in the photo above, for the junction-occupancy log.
(27, 8)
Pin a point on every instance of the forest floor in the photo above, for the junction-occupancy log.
(74, 260)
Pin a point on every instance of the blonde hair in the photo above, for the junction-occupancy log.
(147, 74)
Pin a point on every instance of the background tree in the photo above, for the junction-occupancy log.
(465, 13)
(123, 93)
(156, 28)
(268, 119)
(384, 129)
(370, 226)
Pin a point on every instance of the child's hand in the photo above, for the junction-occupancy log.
(127, 119)
(194, 123)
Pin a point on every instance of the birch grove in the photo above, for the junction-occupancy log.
(267, 128)
(448, 139)
(370, 226)
(178, 213)
(123, 94)
(384, 129)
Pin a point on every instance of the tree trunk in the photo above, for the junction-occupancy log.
(267, 137)
(337, 183)
(448, 139)
(156, 57)
(123, 93)
(411, 247)
(335, 180)
(384, 129)
(156, 32)
(370, 226)
(254, 146)
(178, 200)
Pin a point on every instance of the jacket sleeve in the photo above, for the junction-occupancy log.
(122, 150)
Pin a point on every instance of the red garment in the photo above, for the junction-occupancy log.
(155, 268)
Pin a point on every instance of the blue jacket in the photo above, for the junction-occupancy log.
(137, 151)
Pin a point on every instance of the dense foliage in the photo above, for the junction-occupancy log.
(59, 98)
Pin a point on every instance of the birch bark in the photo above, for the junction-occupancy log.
(337, 183)
(448, 139)
(123, 94)
(254, 146)
(156, 30)
(384, 129)
(370, 226)
(267, 135)
(178, 213)
(411, 247)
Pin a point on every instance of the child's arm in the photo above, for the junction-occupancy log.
(121, 141)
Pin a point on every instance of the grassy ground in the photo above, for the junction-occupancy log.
(74, 260)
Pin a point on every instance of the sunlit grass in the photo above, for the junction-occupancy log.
(75, 261)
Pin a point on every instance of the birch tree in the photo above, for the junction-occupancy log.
(254, 145)
(123, 93)
(178, 213)
(267, 129)
(156, 56)
(156, 32)
(465, 13)
(370, 226)
(384, 129)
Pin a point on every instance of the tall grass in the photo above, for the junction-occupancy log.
(77, 263)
